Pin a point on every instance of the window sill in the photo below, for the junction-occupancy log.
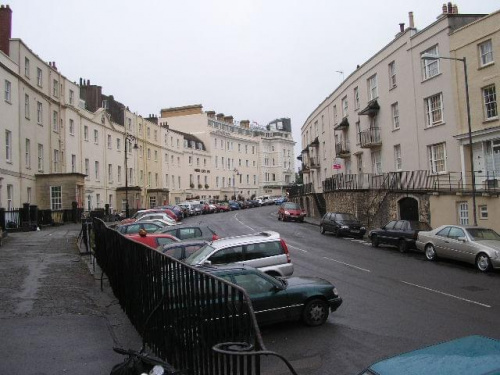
(396, 129)
(490, 120)
(393, 87)
(8, 101)
(486, 65)
(435, 125)
(430, 78)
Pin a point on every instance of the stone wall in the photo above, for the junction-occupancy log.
(374, 208)
(68, 183)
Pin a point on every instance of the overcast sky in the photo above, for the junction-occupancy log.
(252, 59)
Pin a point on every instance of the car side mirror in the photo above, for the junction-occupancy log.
(462, 239)
(207, 263)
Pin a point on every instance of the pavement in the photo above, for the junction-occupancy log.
(54, 318)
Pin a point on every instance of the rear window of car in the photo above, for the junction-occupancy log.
(263, 250)
(399, 225)
(185, 233)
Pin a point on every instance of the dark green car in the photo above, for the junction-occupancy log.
(309, 299)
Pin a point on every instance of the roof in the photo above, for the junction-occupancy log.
(244, 239)
(471, 355)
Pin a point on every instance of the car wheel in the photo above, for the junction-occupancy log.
(402, 246)
(322, 229)
(315, 312)
(483, 262)
(430, 252)
(301, 220)
(375, 242)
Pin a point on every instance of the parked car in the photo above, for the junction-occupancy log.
(134, 228)
(233, 205)
(475, 245)
(154, 240)
(223, 207)
(183, 249)
(192, 231)
(158, 215)
(198, 208)
(291, 211)
(309, 299)
(139, 214)
(400, 233)
(187, 208)
(264, 250)
(176, 209)
(342, 224)
(280, 200)
(471, 355)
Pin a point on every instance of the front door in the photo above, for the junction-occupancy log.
(408, 209)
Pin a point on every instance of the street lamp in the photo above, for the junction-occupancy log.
(128, 139)
(235, 173)
(428, 56)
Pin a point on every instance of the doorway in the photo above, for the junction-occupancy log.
(408, 209)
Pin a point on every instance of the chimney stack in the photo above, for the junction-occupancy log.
(5, 28)
(411, 19)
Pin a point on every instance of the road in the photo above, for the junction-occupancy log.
(393, 302)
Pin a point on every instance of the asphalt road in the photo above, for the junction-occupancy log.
(393, 302)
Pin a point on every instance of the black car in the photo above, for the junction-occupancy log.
(400, 233)
(309, 299)
(342, 224)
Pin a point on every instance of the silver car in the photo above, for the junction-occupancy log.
(475, 245)
(265, 251)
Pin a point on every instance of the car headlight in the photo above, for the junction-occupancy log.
(344, 227)
(335, 291)
(287, 213)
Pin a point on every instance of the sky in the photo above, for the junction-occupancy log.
(256, 60)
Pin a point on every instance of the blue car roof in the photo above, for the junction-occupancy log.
(471, 355)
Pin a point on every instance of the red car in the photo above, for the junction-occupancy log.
(154, 240)
(291, 211)
(223, 207)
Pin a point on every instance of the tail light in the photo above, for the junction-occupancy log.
(215, 237)
(285, 248)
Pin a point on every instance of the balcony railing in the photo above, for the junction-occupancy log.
(417, 181)
(342, 149)
(314, 162)
(370, 138)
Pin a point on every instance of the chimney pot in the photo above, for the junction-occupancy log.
(412, 20)
(445, 9)
(455, 9)
(450, 8)
(402, 27)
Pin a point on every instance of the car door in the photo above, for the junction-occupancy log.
(384, 233)
(439, 241)
(457, 249)
(396, 232)
(269, 297)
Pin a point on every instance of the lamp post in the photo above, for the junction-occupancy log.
(235, 173)
(128, 139)
(428, 56)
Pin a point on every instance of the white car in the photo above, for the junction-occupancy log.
(158, 216)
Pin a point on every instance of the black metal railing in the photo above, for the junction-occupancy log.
(370, 137)
(411, 181)
(199, 323)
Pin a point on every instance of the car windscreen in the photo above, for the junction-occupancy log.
(481, 234)
(291, 206)
(197, 256)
